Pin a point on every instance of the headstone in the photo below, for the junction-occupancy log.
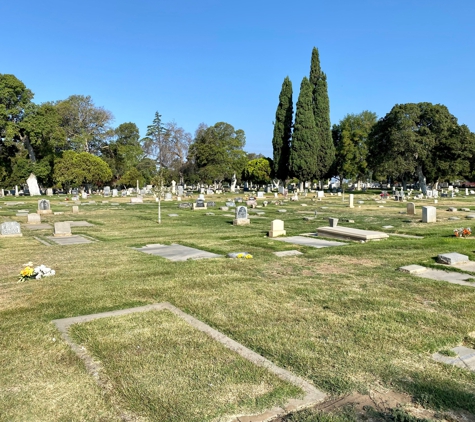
(211, 204)
(201, 196)
(224, 208)
(84, 195)
(180, 190)
(34, 219)
(184, 205)
(429, 215)
(137, 200)
(351, 200)
(168, 196)
(75, 209)
(411, 208)
(241, 217)
(320, 194)
(277, 228)
(62, 229)
(33, 185)
(49, 192)
(44, 207)
(200, 204)
(451, 258)
(16, 190)
(173, 187)
(260, 194)
(230, 204)
(251, 203)
(209, 192)
(115, 193)
(333, 221)
(107, 191)
(10, 229)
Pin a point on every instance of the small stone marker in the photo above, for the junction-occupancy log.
(413, 269)
(230, 204)
(452, 209)
(137, 200)
(260, 194)
(429, 215)
(49, 192)
(211, 204)
(292, 252)
(44, 207)
(411, 208)
(62, 229)
(351, 200)
(282, 210)
(465, 209)
(184, 205)
(173, 215)
(115, 193)
(333, 221)
(451, 258)
(241, 218)
(107, 191)
(83, 195)
(224, 208)
(277, 228)
(10, 229)
(200, 204)
(75, 209)
(168, 196)
(34, 219)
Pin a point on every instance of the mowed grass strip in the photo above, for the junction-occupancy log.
(163, 369)
(343, 318)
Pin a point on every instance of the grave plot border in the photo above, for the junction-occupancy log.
(312, 396)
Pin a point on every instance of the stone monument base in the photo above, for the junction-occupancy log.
(275, 233)
(205, 207)
(241, 222)
(11, 235)
(44, 212)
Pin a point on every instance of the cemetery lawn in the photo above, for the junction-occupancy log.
(343, 318)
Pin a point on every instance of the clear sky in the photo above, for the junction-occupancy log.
(208, 61)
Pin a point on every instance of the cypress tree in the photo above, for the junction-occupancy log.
(321, 112)
(305, 146)
(283, 131)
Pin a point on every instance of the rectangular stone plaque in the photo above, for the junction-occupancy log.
(10, 228)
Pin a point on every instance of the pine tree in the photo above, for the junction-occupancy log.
(283, 131)
(321, 112)
(305, 146)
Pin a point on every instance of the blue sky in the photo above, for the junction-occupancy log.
(210, 61)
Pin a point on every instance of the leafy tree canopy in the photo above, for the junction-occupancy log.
(258, 171)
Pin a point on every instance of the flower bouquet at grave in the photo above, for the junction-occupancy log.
(463, 232)
(30, 272)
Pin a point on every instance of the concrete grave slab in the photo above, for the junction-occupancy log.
(175, 252)
(413, 269)
(42, 226)
(451, 258)
(69, 240)
(439, 275)
(309, 241)
(292, 252)
(465, 358)
(350, 233)
(80, 224)
(311, 397)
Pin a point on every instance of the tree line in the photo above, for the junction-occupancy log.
(420, 142)
(72, 143)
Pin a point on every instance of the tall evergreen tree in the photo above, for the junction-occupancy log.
(321, 112)
(283, 131)
(305, 146)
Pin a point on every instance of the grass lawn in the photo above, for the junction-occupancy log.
(343, 318)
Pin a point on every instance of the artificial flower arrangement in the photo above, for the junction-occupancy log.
(245, 256)
(30, 272)
(463, 232)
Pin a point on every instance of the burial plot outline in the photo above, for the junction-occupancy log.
(176, 252)
(312, 396)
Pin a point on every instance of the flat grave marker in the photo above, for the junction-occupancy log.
(175, 252)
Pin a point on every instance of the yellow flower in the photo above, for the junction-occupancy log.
(27, 272)
(248, 256)
(239, 255)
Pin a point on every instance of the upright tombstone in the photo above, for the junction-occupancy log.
(34, 218)
(168, 196)
(33, 185)
(173, 187)
(16, 190)
(49, 192)
(200, 204)
(10, 229)
(277, 228)
(75, 209)
(44, 207)
(2, 193)
(352, 205)
(260, 194)
(115, 193)
(429, 215)
(62, 229)
(411, 208)
(320, 194)
(180, 191)
(84, 195)
(241, 216)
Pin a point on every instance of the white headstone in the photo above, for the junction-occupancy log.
(107, 191)
(115, 193)
(241, 218)
(34, 218)
(33, 185)
(62, 229)
(168, 196)
(429, 215)
(411, 208)
(10, 228)
(75, 209)
(84, 195)
(320, 194)
(49, 192)
(351, 200)
(173, 187)
(277, 228)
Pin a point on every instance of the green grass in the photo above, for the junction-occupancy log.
(343, 318)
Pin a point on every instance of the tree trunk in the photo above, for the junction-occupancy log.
(29, 148)
(422, 180)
